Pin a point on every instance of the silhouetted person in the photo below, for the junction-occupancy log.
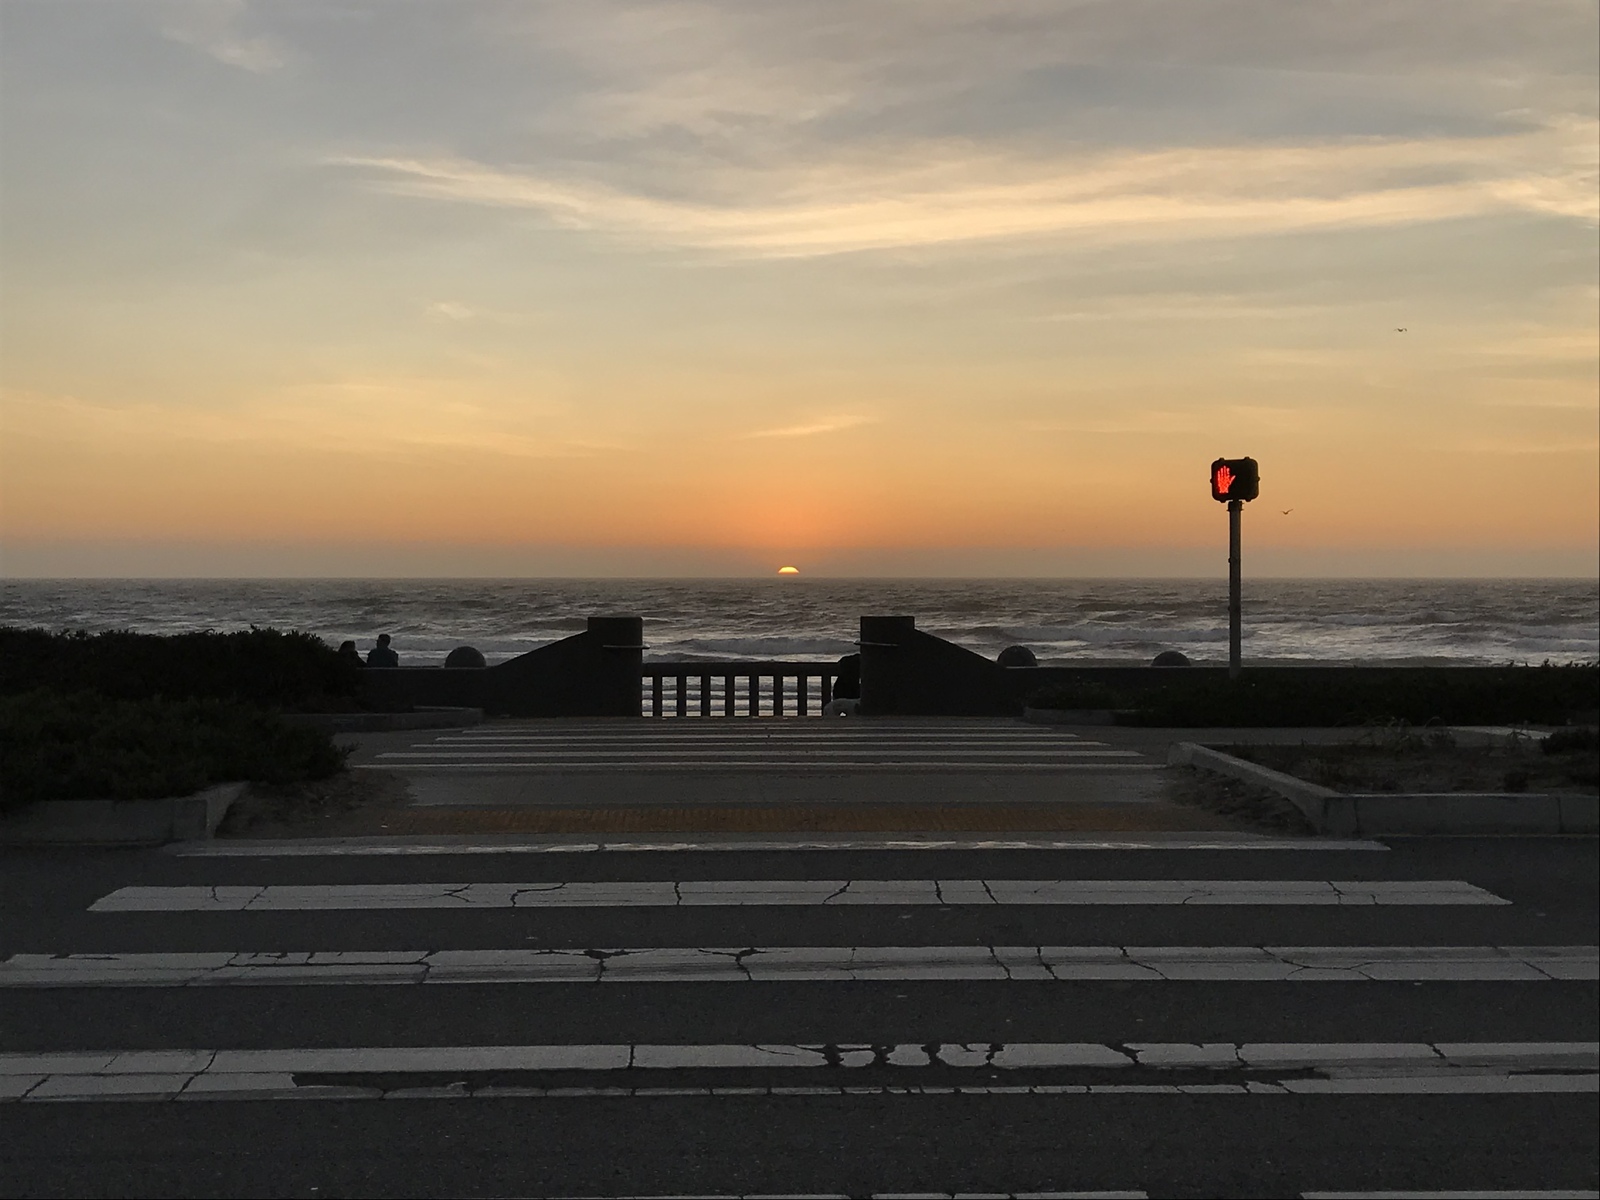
(381, 655)
(848, 685)
(348, 655)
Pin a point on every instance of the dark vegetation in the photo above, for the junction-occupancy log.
(1264, 697)
(289, 672)
(1400, 759)
(130, 716)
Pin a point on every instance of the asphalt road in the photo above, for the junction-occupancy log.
(477, 1123)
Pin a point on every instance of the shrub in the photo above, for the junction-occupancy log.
(265, 667)
(1371, 696)
(1564, 740)
(56, 746)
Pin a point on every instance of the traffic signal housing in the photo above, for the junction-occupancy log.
(1235, 479)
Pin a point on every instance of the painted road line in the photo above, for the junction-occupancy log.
(277, 1087)
(1339, 1068)
(742, 732)
(607, 763)
(740, 754)
(811, 735)
(1470, 1194)
(384, 846)
(723, 893)
(991, 1194)
(809, 964)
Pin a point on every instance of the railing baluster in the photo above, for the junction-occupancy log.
(658, 677)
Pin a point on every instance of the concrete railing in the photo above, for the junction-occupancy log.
(591, 674)
(736, 689)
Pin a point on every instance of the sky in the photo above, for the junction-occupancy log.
(867, 287)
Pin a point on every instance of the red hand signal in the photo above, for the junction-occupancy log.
(1224, 481)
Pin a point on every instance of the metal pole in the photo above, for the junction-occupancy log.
(1235, 618)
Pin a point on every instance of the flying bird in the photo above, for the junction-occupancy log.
(1287, 511)
(1399, 330)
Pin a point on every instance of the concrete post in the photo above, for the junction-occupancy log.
(882, 639)
(619, 664)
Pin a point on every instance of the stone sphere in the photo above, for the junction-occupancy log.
(1170, 658)
(1017, 656)
(465, 656)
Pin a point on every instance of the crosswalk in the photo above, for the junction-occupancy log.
(692, 744)
(1151, 1004)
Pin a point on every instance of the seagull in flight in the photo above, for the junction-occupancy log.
(1400, 330)
(1287, 511)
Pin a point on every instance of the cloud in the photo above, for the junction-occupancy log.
(814, 428)
(950, 192)
(396, 418)
(1511, 446)
(739, 71)
(451, 310)
(209, 26)
(1142, 423)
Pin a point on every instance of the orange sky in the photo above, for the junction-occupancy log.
(626, 289)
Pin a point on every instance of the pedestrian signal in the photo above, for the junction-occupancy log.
(1235, 479)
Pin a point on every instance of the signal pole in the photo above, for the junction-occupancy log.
(1235, 607)
(1233, 481)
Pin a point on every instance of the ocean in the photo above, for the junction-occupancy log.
(1062, 621)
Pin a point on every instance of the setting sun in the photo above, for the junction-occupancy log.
(788, 570)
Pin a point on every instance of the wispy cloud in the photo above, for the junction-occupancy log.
(450, 310)
(210, 26)
(377, 418)
(1522, 447)
(1145, 423)
(949, 192)
(814, 428)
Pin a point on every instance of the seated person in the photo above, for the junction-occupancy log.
(381, 655)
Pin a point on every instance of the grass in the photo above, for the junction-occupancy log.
(1402, 760)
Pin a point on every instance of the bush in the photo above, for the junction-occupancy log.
(264, 667)
(56, 746)
(1373, 696)
(1565, 740)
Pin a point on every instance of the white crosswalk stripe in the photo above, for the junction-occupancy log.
(1216, 1069)
(722, 746)
(838, 893)
(1417, 1019)
(792, 964)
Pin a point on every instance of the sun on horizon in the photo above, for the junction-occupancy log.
(788, 570)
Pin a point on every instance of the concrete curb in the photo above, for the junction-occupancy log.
(1366, 815)
(121, 822)
(383, 722)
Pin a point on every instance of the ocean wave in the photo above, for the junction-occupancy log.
(1100, 620)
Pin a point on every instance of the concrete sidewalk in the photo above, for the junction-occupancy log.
(793, 775)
